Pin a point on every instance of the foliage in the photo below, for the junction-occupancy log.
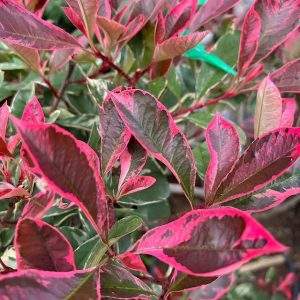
(99, 119)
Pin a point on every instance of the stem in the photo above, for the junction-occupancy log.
(199, 105)
(107, 60)
(139, 74)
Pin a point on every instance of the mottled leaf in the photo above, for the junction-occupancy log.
(114, 136)
(263, 161)
(36, 285)
(289, 107)
(223, 144)
(41, 246)
(33, 112)
(208, 242)
(4, 115)
(268, 109)
(21, 27)
(69, 166)
(249, 40)
(176, 46)
(209, 11)
(287, 77)
(153, 127)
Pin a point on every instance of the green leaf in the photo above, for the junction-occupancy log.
(21, 98)
(227, 49)
(200, 118)
(94, 138)
(202, 159)
(74, 235)
(97, 89)
(123, 227)
(83, 122)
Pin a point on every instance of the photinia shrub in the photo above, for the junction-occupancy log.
(140, 144)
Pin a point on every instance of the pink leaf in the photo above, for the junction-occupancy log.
(74, 19)
(270, 197)
(223, 144)
(215, 290)
(105, 9)
(289, 107)
(4, 115)
(38, 205)
(209, 242)
(133, 27)
(132, 261)
(59, 59)
(176, 46)
(249, 40)
(287, 77)
(114, 135)
(33, 111)
(136, 184)
(268, 109)
(70, 167)
(209, 11)
(267, 158)
(278, 21)
(30, 56)
(179, 17)
(153, 127)
(132, 160)
(41, 246)
(35, 284)
(21, 27)
(9, 191)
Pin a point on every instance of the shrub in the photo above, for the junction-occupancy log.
(100, 125)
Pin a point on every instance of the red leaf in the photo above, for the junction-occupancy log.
(21, 27)
(114, 135)
(287, 77)
(209, 242)
(176, 46)
(59, 58)
(132, 160)
(4, 115)
(136, 184)
(289, 107)
(38, 205)
(133, 262)
(74, 18)
(179, 17)
(278, 21)
(37, 6)
(215, 290)
(268, 109)
(153, 127)
(35, 284)
(3, 148)
(223, 144)
(209, 11)
(41, 246)
(33, 111)
(69, 166)
(9, 191)
(265, 159)
(249, 40)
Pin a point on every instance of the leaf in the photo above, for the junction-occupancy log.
(223, 145)
(41, 246)
(132, 261)
(183, 282)
(34, 285)
(208, 242)
(278, 20)
(33, 111)
(74, 18)
(59, 59)
(268, 109)
(249, 40)
(132, 161)
(4, 149)
(69, 166)
(270, 197)
(114, 135)
(209, 11)
(117, 282)
(21, 27)
(202, 159)
(176, 46)
(215, 290)
(124, 227)
(289, 107)
(153, 127)
(7, 191)
(4, 115)
(287, 78)
(38, 205)
(105, 9)
(82, 253)
(87, 10)
(136, 184)
(267, 158)
(179, 17)
(29, 56)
